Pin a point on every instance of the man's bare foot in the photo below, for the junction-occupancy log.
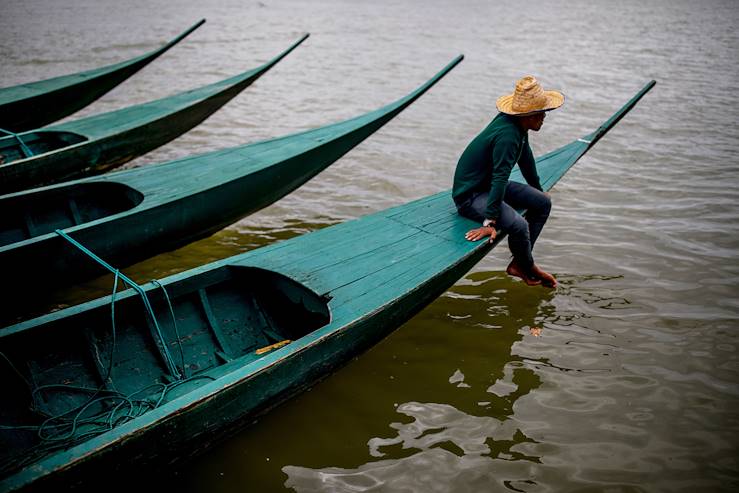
(546, 278)
(514, 270)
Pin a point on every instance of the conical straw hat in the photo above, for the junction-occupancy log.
(529, 98)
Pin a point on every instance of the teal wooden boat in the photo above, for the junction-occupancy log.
(98, 143)
(86, 396)
(35, 104)
(130, 215)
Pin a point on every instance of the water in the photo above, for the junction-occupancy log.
(624, 379)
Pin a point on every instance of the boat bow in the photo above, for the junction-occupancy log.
(98, 143)
(34, 104)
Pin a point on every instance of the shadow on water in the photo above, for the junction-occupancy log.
(438, 394)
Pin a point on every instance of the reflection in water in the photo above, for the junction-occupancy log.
(463, 437)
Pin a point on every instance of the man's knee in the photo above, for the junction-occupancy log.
(543, 205)
(518, 228)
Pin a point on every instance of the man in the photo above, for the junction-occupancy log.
(482, 191)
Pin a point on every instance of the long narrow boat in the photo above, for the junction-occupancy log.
(130, 215)
(90, 388)
(95, 144)
(35, 104)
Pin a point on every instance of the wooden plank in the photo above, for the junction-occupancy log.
(161, 345)
(102, 368)
(343, 242)
(74, 211)
(31, 229)
(430, 259)
(214, 326)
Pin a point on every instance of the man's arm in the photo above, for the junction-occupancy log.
(505, 153)
(527, 164)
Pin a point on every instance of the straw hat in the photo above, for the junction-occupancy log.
(529, 98)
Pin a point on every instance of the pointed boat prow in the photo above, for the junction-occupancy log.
(98, 143)
(177, 39)
(553, 165)
(410, 98)
(35, 104)
(612, 121)
(286, 52)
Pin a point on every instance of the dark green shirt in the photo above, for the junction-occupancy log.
(487, 162)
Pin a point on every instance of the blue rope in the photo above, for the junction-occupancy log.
(171, 366)
(24, 147)
(73, 426)
(174, 324)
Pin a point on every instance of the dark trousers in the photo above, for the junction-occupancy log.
(522, 232)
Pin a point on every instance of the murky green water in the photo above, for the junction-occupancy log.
(626, 378)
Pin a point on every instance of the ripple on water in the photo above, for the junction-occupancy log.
(631, 384)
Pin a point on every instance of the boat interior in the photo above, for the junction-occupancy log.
(101, 373)
(22, 146)
(37, 213)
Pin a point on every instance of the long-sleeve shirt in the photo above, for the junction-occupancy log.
(487, 162)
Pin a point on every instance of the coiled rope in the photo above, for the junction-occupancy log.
(81, 422)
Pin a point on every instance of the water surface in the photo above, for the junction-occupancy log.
(623, 379)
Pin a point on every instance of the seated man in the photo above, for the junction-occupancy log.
(482, 191)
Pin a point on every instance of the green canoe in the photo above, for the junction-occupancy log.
(98, 143)
(250, 331)
(34, 104)
(130, 215)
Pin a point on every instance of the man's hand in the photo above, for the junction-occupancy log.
(480, 233)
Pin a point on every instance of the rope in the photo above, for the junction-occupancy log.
(73, 426)
(174, 324)
(24, 147)
(171, 366)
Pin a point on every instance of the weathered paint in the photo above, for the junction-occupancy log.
(34, 104)
(401, 259)
(98, 143)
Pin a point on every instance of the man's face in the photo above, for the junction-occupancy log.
(532, 122)
(537, 120)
